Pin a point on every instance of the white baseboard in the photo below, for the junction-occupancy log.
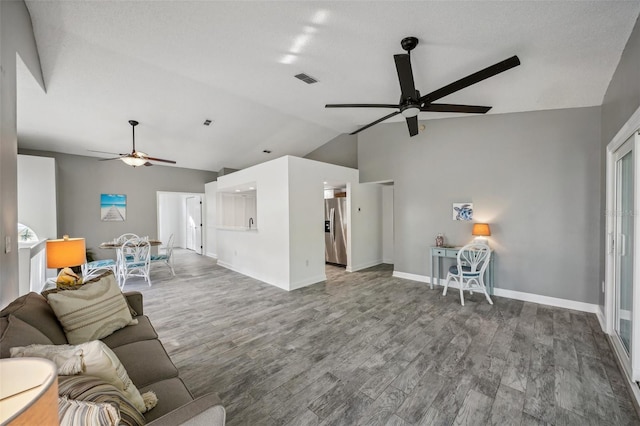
(308, 281)
(388, 261)
(517, 295)
(601, 320)
(363, 266)
(211, 255)
(289, 287)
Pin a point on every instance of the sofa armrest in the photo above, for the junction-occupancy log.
(206, 410)
(134, 299)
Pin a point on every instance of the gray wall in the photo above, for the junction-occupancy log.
(621, 100)
(534, 176)
(341, 150)
(80, 181)
(16, 36)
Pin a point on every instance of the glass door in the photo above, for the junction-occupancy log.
(624, 245)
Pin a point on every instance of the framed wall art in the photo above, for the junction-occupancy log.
(113, 207)
(463, 211)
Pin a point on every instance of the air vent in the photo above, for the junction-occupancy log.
(306, 78)
(267, 151)
(207, 122)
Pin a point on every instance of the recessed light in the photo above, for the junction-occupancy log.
(325, 182)
(251, 187)
(237, 190)
(267, 151)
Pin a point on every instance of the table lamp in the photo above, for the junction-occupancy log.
(481, 231)
(65, 253)
(29, 392)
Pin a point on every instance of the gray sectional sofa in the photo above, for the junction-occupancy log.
(30, 320)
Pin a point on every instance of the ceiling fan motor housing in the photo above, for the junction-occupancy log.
(409, 43)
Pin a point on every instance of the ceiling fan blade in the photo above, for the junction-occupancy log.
(361, 106)
(148, 164)
(105, 152)
(159, 159)
(474, 78)
(108, 159)
(412, 124)
(375, 122)
(405, 75)
(471, 109)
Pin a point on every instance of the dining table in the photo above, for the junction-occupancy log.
(117, 245)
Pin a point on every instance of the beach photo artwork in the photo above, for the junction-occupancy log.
(113, 207)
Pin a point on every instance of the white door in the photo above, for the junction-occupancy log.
(194, 224)
(624, 231)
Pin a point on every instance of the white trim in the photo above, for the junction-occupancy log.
(308, 281)
(547, 300)
(601, 320)
(363, 266)
(245, 273)
(211, 255)
(625, 132)
(517, 295)
(387, 261)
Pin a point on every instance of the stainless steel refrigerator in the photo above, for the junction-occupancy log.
(335, 230)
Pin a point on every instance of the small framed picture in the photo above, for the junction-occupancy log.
(463, 211)
(113, 207)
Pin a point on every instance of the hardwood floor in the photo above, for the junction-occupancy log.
(368, 349)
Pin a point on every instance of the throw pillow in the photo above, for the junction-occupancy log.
(73, 413)
(15, 332)
(91, 359)
(63, 287)
(95, 389)
(92, 311)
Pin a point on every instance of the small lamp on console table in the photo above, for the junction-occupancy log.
(481, 231)
(65, 253)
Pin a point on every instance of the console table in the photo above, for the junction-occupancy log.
(438, 253)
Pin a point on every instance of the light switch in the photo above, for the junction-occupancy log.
(7, 244)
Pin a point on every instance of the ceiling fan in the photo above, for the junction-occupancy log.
(135, 158)
(411, 103)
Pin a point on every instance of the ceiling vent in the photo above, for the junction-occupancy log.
(306, 78)
(207, 122)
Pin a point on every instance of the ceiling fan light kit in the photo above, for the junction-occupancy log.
(411, 103)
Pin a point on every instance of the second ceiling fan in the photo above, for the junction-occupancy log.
(411, 102)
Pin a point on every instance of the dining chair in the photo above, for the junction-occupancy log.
(472, 261)
(166, 257)
(96, 267)
(136, 266)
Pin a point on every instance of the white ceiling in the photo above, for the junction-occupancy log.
(173, 64)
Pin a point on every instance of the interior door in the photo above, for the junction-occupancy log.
(625, 308)
(194, 224)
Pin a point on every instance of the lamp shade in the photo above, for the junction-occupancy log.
(65, 252)
(29, 392)
(481, 230)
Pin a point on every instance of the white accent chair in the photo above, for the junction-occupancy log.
(138, 264)
(166, 257)
(472, 263)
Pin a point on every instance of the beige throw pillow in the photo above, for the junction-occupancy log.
(91, 359)
(91, 312)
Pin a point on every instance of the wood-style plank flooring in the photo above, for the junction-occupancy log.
(365, 348)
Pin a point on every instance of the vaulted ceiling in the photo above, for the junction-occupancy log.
(173, 64)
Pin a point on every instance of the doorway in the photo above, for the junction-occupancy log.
(194, 224)
(623, 289)
(173, 219)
